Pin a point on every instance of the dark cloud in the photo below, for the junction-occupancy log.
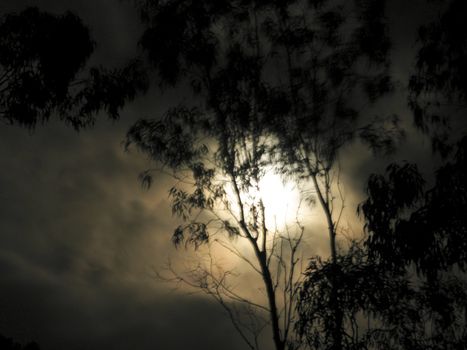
(80, 239)
(64, 314)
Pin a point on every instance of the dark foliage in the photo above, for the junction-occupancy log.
(375, 304)
(381, 308)
(432, 236)
(405, 287)
(10, 344)
(265, 68)
(40, 56)
(275, 84)
(438, 89)
(42, 60)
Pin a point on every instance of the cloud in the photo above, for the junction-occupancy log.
(80, 239)
(60, 313)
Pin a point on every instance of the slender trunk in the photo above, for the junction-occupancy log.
(327, 213)
(337, 313)
(270, 292)
(265, 273)
(274, 315)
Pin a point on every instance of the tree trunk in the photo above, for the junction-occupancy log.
(337, 314)
(271, 294)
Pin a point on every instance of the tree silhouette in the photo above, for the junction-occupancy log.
(376, 304)
(438, 87)
(216, 150)
(10, 344)
(41, 72)
(403, 286)
(330, 75)
(432, 239)
(275, 85)
(407, 279)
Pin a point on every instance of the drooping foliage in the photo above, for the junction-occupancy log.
(333, 67)
(429, 240)
(219, 145)
(438, 88)
(376, 304)
(10, 344)
(404, 286)
(285, 71)
(432, 236)
(42, 62)
(276, 84)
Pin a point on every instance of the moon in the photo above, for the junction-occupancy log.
(281, 200)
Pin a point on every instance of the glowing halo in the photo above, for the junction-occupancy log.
(281, 200)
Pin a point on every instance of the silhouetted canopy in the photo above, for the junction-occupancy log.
(42, 61)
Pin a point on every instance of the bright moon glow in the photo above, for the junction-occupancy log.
(281, 200)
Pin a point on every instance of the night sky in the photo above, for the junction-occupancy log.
(81, 240)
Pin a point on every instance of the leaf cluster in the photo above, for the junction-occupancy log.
(364, 290)
(432, 236)
(42, 62)
(438, 88)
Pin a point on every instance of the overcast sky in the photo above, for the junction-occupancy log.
(80, 239)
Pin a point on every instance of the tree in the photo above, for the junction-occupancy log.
(222, 154)
(438, 87)
(273, 83)
(403, 286)
(431, 238)
(41, 72)
(376, 304)
(380, 306)
(10, 344)
(327, 70)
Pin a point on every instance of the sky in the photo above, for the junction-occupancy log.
(81, 240)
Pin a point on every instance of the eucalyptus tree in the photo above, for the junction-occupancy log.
(43, 72)
(335, 64)
(333, 67)
(220, 147)
(403, 286)
(438, 85)
(276, 85)
(420, 235)
(10, 344)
